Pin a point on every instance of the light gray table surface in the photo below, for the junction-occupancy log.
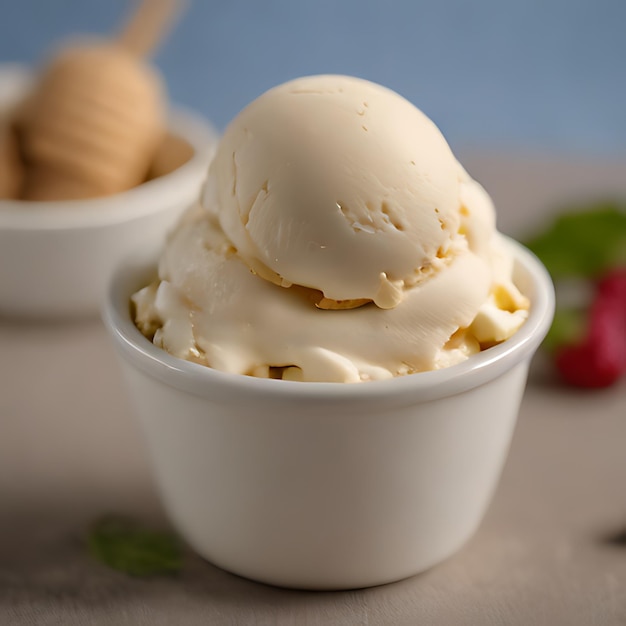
(551, 549)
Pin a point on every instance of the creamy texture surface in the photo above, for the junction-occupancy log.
(337, 239)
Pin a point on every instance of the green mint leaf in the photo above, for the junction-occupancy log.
(121, 544)
(584, 242)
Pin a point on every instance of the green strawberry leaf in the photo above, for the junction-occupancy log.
(584, 243)
(568, 326)
(121, 544)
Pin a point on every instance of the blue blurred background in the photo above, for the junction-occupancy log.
(530, 76)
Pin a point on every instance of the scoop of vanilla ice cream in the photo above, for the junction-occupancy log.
(337, 239)
(337, 184)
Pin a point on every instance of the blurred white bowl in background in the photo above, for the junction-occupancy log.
(56, 258)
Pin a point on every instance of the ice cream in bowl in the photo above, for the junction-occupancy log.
(329, 354)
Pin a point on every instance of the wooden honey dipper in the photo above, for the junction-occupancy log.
(94, 121)
(11, 166)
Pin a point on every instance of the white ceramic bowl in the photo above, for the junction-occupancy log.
(327, 485)
(56, 258)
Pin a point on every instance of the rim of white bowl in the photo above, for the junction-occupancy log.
(128, 205)
(203, 381)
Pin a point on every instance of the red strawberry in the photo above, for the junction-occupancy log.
(585, 365)
(599, 360)
(613, 285)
